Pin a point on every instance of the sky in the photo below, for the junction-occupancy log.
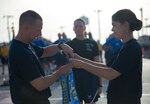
(59, 15)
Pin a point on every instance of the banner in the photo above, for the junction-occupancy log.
(65, 89)
(72, 90)
(69, 93)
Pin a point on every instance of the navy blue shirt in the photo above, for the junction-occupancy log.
(129, 64)
(24, 66)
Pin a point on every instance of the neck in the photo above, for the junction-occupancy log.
(22, 38)
(128, 37)
(81, 37)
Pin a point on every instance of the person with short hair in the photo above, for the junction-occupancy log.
(28, 83)
(4, 56)
(88, 86)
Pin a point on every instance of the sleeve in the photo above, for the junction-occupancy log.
(125, 61)
(39, 50)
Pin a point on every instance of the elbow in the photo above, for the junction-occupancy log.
(39, 87)
(112, 75)
(38, 84)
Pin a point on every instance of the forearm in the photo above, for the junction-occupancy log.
(105, 72)
(53, 49)
(50, 79)
(93, 62)
(50, 50)
(44, 82)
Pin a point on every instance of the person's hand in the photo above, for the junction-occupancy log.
(68, 51)
(65, 69)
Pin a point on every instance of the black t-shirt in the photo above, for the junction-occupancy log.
(86, 48)
(129, 64)
(24, 66)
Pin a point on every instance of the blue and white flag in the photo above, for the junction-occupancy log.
(72, 90)
(69, 93)
(65, 89)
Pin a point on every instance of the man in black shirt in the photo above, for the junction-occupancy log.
(88, 86)
(28, 83)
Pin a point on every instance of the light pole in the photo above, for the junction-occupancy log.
(146, 19)
(7, 18)
(13, 30)
(141, 10)
(99, 29)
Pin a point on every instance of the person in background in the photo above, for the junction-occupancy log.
(28, 83)
(59, 36)
(4, 56)
(90, 35)
(59, 57)
(100, 47)
(125, 73)
(111, 47)
(88, 86)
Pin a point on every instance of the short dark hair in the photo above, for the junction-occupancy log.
(80, 20)
(126, 15)
(29, 16)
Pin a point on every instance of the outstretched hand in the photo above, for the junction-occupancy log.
(65, 69)
(67, 50)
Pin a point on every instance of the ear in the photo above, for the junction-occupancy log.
(126, 25)
(27, 27)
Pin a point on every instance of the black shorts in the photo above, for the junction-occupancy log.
(86, 86)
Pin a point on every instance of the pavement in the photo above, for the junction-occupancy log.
(56, 88)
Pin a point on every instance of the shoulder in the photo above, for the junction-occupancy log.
(132, 47)
(91, 41)
(69, 42)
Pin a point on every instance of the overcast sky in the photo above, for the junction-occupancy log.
(62, 13)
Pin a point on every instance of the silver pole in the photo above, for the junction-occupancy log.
(99, 28)
(7, 18)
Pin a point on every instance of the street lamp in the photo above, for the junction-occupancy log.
(141, 10)
(146, 19)
(98, 17)
(13, 30)
(7, 18)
